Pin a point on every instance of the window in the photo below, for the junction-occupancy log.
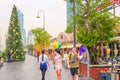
(118, 34)
(61, 36)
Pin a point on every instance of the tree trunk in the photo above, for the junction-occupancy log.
(93, 56)
(101, 49)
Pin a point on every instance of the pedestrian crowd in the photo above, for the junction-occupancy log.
(71, 59)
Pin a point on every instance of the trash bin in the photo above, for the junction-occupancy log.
(103, 76)
(108, 76)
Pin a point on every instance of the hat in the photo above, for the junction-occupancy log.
(57, 50)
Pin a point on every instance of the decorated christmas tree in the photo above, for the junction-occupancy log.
(14, 43)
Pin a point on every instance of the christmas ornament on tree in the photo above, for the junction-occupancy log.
(11, 22)
(12, 38)
(14, 30)
(16, 33)
(11, 51)
(16, 56)
(16, 41)
(13, 14)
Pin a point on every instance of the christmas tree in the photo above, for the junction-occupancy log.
(14, 43)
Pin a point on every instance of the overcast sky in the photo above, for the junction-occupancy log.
(55, 15)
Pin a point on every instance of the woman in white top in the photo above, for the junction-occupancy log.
(43, 63)
(58, 63)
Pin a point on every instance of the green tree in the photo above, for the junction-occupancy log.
(14, 42)
(41, 37)
(69, 29)
(94, 26)
(30, 48)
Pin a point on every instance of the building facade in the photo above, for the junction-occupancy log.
(30, 38)
(66, 40)
(69, 13)
(22, 29)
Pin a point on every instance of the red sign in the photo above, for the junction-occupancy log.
(115, 1)
(103, 6)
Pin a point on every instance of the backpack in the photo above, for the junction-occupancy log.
(43, 64)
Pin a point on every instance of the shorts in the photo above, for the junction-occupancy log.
(57, 67)
(74, 71)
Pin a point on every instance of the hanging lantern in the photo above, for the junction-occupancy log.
(115, 52)
(108, 51)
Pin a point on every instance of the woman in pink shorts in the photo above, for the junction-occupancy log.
(58, 63)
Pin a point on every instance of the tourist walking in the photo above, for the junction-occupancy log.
(9, 56)
(66, 53)
(1, 62)
(38, 54)
(73, 63)
(58, 63)
(43, 63)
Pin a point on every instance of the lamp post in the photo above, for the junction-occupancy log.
(43, 21)
(119, 48)
(113, 43)
(74, 33)
(43, 18)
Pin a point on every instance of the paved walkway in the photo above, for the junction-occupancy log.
(28, 70)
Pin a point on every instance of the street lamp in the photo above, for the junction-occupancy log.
(43, 18)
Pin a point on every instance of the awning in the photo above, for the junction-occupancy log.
(116, 38)
(70, 46)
